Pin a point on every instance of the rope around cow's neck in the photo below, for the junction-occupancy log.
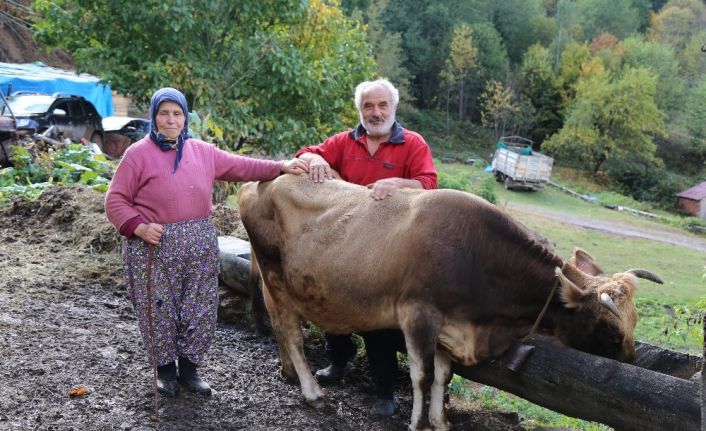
(541, 313)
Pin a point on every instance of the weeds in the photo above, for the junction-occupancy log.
(73, 164)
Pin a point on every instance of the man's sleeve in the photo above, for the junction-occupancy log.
(331, 150)
(421, 164)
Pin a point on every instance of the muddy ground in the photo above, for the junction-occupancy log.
(65, 323)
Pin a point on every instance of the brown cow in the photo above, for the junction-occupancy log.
(457, 275)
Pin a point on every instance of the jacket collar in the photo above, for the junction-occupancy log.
(396, 137)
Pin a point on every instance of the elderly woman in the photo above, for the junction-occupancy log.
(160, 201)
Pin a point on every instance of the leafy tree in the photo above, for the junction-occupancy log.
(610, 119)
(570, 69)
(462, 59)
(279, 72)
(694, 159)
(522, 23)
(693, 61)
(502, 111)
(609, 49)
(672, 26)
(617, 17)
(661, 60)
(388, 53)
(538, 83)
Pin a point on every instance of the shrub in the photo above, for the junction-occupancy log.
(74, 163)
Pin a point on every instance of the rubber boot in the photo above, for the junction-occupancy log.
(190, 379)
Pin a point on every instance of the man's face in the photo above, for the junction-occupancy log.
(377, 114)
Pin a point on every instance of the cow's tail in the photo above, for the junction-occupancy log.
(258, 310)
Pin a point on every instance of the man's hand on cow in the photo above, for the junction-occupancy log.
(384, 188)
(294, 166)
(151, 233)
(319, 169)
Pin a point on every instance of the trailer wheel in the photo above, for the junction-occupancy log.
(508, 183)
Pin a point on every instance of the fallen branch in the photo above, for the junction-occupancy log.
(577, 384)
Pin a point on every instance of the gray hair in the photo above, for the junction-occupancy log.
(364, 87)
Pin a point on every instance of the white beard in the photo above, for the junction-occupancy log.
(378, 129)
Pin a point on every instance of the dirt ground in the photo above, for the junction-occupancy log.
(65, 323)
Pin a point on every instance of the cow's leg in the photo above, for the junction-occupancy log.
(280, 331)
(421, 328)
(294, 344)
(442, 377)
(288, 330)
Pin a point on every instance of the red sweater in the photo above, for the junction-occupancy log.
(405, 155)
(144, 185)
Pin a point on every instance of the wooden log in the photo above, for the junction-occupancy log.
(234, 262)
(577, 384)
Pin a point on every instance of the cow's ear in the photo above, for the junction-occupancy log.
(572, 295)
(585, 262)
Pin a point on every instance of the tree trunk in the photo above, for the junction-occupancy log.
(623, 396)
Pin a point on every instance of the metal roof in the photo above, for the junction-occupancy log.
(697, 193)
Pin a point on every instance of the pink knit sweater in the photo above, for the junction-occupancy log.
(144, 185)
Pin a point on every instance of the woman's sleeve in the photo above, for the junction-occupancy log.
(232, 167)
(119, 198)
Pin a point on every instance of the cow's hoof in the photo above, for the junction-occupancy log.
(317, 402)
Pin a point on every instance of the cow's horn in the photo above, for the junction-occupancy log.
(607, 301)
(647, 275)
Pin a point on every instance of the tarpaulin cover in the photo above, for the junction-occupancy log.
(37, 77)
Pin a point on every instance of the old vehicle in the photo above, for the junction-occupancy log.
(121, 132)
(518, 166)
(65, 116)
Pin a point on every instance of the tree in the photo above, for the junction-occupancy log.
(388, 53)
(538, 83)
(661, 59)
(279, 72)
(570, 69)
(673, 26)
(462, 59)
(617, 17)
(610, 119)
(501, 110)
(521, 23)
(694, 159)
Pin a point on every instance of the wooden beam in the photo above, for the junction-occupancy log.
(577, 384)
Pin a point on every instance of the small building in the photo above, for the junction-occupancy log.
(693, 200)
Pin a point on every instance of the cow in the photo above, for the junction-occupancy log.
(460, 277)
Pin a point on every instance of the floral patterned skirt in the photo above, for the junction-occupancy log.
(184, 289)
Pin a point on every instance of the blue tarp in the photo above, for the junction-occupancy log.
(44, 79)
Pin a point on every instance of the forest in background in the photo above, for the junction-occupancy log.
(614, 88)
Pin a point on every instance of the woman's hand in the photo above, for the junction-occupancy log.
(151, 233)
(294, 166)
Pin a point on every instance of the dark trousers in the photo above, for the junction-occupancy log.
(381, 346)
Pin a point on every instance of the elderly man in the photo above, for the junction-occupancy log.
(382, 155)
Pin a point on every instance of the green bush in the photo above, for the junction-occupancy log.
(453, 181)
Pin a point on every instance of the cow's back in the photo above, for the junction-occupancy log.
(347, 261)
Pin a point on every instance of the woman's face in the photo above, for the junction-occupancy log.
(170, 119)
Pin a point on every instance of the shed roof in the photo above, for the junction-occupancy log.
(697, 193)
